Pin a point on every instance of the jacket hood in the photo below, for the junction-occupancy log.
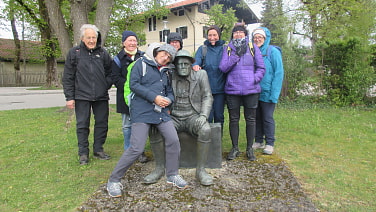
(264, 46)
(149, 53)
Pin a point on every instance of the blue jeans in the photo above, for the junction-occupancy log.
(265, 125)
(218, 109)
(127, 127)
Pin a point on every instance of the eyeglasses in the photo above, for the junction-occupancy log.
(238, 33)
(258, 38)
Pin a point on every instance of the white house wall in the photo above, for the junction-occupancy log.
(195, 32)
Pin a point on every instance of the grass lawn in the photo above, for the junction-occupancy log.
(330, 150)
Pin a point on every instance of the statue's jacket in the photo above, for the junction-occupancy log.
(200, 94)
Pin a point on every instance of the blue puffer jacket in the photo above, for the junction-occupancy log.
(271, 84)
(146, 87)
(243, 73)
(213, 56)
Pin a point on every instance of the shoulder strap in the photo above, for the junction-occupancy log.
(269, 51)
(75, 57)
(204, 50)
(251, 49)
(117, 61)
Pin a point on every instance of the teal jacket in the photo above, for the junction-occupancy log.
(271, 84)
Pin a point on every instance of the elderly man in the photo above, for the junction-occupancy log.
(86, 81)
(190, 112)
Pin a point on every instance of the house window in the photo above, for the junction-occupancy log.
(152, 23)
(180, 12)
(205, 32)
(183, 31)
(163, 35)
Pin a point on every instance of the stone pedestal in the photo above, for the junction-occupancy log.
(188, 153)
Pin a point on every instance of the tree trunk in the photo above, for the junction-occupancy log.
(102, 19)
(57, 23)
(50, 49)
(17, 50)
(79, 16)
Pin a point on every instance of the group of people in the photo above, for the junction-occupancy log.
(173, 92)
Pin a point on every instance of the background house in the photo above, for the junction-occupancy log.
(32, 65)
(188, 18)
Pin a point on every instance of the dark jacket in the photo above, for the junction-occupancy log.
(213, 56)
(119, 76)
(243, 73)
(87, 73)
(155, 82)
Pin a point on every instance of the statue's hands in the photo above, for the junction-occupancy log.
(200, 121)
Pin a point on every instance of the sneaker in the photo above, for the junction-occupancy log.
(114, 189)
(177, 180)
(268, 150)
(84, 160)
(258, 145)
(102, 156)
(233, 154)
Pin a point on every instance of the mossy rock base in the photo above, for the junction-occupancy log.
(240, 185)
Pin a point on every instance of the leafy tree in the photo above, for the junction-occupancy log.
(341, 33)
(131, 15)
(224, 20)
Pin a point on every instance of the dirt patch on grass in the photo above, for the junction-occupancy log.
(240, 185)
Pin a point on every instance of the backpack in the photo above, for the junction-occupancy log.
(128, 94)
(269, 51)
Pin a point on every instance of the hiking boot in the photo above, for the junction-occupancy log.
(114, 189)
(84, 159)
(268, 150)
(258, 145)
(143, 158)
(250, 155)
(102, 156)
(233, 154)
(178, 181)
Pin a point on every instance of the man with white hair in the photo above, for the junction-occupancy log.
(86, 81)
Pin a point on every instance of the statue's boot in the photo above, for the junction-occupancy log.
(160, 160)
(201, 174)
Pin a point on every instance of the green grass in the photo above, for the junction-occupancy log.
(330, 150)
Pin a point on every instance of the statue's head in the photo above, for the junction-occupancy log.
(183, 63)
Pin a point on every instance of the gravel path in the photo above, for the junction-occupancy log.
(240, 185)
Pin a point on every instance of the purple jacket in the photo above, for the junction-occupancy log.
(243, 73)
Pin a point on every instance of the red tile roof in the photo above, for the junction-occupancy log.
(31, 49)
(183, 3)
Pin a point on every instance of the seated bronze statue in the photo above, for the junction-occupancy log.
(190, 112)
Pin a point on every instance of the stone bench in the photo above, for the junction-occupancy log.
(188, 153)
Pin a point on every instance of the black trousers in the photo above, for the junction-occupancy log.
(83, 112)
(249, 103)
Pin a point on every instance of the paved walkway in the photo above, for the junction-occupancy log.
(13, 98)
